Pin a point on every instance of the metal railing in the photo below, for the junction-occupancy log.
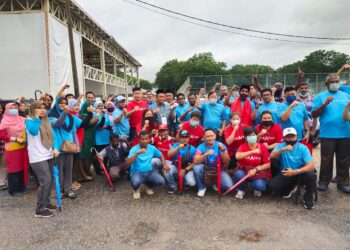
(97, 75)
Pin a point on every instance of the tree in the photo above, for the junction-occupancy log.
(240, 69)
(146, 84)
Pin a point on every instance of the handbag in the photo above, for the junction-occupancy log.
(70, 147)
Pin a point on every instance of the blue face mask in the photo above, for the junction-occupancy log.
(213, 101)
(291, 99)
(13, 112)
(252, 139)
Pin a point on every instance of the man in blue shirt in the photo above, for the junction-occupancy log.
(268, 104)
(121, 125)
(293, 114)
(295, 162)
(180, 109)
(142, 170)
(187, 153)
(213, 113)
(334, 134)
(186, 116)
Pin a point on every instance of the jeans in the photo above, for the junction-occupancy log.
(258, 184)
(172, 177)
(150, 179)
(198, 170)
(157, 164)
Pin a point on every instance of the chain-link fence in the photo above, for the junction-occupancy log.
(316, 81)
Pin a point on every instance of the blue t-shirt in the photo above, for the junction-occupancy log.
(184, 151)
(143, 162)
(203, 148)
(213, 116)
(296, 119)
(123, 127)
(102, 135)
(332, 124)
(295, 159)
(273, 107)
(345, 88)
(180, 110)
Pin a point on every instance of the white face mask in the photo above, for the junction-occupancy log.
(334, 87)
(235, 122)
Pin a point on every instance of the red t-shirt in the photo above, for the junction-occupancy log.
(163, 146)
(136, 117)
(255, 160)
(196, 134)
(273, 135)
(238, 139)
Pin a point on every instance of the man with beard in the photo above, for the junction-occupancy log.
(191, 98)
(241, 105)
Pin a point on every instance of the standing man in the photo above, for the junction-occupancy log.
(149, 97)
(334, 134)
(191, 98)
(121, 126)
(135, 107)
(161, 109)
(268, 104)
(181, 108)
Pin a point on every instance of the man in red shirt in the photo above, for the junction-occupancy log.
(195, 130)
(163, 141)
(135, 107)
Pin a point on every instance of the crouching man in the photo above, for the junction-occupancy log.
(141, 169)
(295, 162)
(116, 154)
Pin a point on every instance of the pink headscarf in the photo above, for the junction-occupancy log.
(13, 124)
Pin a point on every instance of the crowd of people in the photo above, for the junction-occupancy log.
(196, 141)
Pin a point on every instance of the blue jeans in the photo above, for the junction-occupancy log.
(258, 184)
(198, 170)
(150, 179)
(172, 176)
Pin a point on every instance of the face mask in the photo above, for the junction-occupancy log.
(303, 95)
(193, 123)
(266, 123)
(291, 99)
(252, 139)
(291, 142)
(213, 101)
(110, 109)
(149, 118)
(13, 112)
(235, 122)
(278, 92)
(334, 87)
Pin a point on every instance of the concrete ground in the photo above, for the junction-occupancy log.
(101, 219)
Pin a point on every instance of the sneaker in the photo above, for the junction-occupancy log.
(344, 188)
(137, 194)
(17, 194)
(201, 192)
(4, 187)
(308, 204)
(51, 207)
(288, 195)
(76, 186)
(215, 187)
(70, 195)
(257, 193)
(172, 190)
(240, 194)
(322, 187)
(149, 191)
(26, 190)
(44, 214)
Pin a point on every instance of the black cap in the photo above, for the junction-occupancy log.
(184, 133)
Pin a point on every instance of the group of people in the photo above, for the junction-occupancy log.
(197, 141)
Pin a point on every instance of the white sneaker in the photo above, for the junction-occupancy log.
(257, 193)
(240, 194)
(137, 194)
(293, 191)
(201, 193)
(149, 191)
(215, 187)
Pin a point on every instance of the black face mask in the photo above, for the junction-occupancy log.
(291, 142)
(266, 123)
(278, 92)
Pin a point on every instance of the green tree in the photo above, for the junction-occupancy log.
(240, 69)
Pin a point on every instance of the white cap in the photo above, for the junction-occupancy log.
(289, 131)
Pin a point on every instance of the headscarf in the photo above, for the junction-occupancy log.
(46, 134)
(97, 102)
(71, 104)
(13, 123)
(56, 112)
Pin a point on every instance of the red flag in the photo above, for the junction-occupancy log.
(219, 175)
(179, 168)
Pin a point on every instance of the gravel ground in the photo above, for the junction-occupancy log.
(101, 219)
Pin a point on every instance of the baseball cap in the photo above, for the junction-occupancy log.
(184, 133)
(162, 127)
(289, 131)
(119, 98)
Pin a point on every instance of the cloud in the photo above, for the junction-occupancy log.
(154, 39)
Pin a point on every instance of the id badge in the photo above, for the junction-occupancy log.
(164, 120)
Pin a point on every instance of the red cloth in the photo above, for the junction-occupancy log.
(136, 117)
(245, 112)
(273, 135)
(238, 139)
(16, 160)
(138, 130)
(196, 134)
(255, 160)
(163, 146)
(308, 145)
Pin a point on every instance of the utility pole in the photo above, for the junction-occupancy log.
(72, 51)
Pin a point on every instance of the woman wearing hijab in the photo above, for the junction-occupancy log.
(15, 148)
(3, 174)
(41, 152)
(64, 128)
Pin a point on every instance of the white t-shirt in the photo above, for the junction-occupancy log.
(36, 151)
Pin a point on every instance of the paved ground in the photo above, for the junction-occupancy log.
(100, 219)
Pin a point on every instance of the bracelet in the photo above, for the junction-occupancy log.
(257, 170)
(298, 171)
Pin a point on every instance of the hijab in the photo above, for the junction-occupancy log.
(13, 123)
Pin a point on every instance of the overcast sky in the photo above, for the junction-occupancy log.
(154, 39)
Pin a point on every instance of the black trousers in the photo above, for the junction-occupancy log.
(15, 182)
(339, 147)
(281, 184)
